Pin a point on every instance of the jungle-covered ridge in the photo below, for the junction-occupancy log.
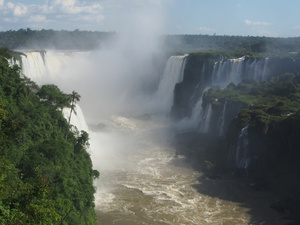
(46, 173)
(89, 40)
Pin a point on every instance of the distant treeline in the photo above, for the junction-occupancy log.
(241, 44)
(45, 39)
(87, 40)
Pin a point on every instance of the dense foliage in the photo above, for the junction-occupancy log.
(46, 174)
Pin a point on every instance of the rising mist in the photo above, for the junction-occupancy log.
(120, 75)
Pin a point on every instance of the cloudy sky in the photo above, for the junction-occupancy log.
(277, 18)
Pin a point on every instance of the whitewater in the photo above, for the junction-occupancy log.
(143, 180)
(149, 183)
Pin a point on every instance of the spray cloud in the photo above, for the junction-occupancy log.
(111, 78)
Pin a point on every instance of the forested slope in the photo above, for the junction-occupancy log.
(46, 174)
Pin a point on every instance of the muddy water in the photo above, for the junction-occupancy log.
(144, 182)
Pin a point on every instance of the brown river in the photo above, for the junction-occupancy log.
(143, 182)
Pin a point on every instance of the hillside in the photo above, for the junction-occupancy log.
(45, 169)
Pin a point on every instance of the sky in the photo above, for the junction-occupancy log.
(273, 18)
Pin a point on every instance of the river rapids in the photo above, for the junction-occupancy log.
(144, 182)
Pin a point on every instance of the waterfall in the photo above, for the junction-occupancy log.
(77, 119)
(192, 123)
(12, 61)
(257, 69)
(204, 126)
(227, 71)
(265, 74)
(33, 66)
(242, 151)
(44, 67)
(197, 110)
(172, 75)
(222, 120)
(235, 70)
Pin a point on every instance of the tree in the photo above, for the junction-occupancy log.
(23, 202)
(51, 94)
(74, 98)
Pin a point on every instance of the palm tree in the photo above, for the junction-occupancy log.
(74, 97)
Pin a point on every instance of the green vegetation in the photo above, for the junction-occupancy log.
(46, 177)
(74, 97)
(243, 45)
(277, 99)
(88, 40)
(45, 39)
(272, 110)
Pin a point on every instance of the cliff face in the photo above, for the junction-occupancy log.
(206, 70)
(197, 75)
(253, 102)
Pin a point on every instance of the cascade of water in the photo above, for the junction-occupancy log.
(242, 150)
(227, 71)
(265, 73)
(12, 61)
(173, 74)
(217, 71)
(253, 69)
(222, 120)
(33, 66)
(204, 126)
(236, 76)
(257, 69)
(197, 89)
(197, 110)
(235, 70)
(192, 122)
(77, 119)
(45, 66)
